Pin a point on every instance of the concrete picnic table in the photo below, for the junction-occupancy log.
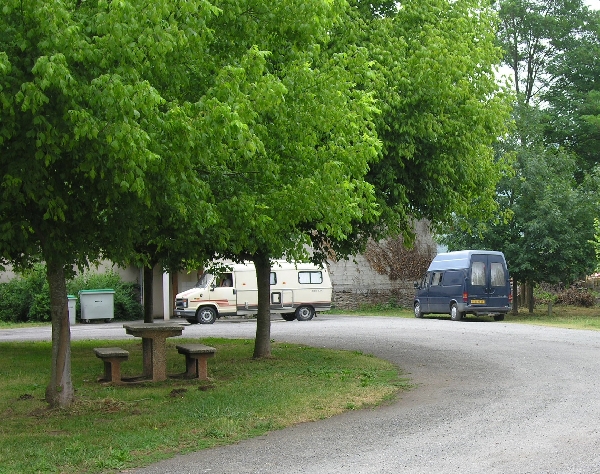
(154, 346)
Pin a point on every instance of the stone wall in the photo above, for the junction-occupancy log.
(356, 283)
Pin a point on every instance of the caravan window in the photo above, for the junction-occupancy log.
(498, 278)
(273, 278)
(310, 277)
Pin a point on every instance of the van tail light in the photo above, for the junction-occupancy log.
(510, 297)
(465, 297)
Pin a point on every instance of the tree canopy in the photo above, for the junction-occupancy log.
(548, 200)
(137, 130)
(84, 130)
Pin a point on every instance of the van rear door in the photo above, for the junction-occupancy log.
(489, 285)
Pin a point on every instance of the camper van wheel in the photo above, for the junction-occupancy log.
(304, 313)
(498, 317)
(418, 313)
(455, 314)
(288, 316)
(206, 315)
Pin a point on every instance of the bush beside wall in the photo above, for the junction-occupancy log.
(26, 298)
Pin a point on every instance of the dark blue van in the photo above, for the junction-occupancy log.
(465, 282)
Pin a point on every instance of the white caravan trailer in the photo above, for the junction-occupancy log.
(298, 291)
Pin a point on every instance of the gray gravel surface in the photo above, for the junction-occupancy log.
(489, 397)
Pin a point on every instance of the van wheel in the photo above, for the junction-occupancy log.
(206, 315)
(305, 313)
(288, 316)
(418, 313)
(498, 317)
(455, 314)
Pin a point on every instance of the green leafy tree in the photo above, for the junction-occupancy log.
(596, 242)
(442, 110)
(298, 141)
(544, 226)
(533, 33)
(308, 169)
(544, 219)
(84, 130)
(574, 96)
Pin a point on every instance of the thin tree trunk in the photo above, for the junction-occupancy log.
(530, 298)
(262, 344)
(148, 294)
(515, 291)
(59, 392)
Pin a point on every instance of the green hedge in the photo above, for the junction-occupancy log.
(26, 298)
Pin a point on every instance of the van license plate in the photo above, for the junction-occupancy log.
(477, 301)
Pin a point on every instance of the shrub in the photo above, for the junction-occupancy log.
(576, 297)
(26, 298)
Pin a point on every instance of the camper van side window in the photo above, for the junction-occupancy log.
(452, 278)
(273, 278)
(498, 278)
(310, 277)
(478, 274)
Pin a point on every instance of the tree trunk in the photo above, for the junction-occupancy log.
(262, 344)
(515, 292)
(59, 392)
(148, 294)
(530, 297)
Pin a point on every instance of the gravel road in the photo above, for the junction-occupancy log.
(490, 397)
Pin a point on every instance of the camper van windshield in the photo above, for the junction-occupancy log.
(205, 280)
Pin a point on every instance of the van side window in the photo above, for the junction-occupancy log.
(452, 278)
(498, 278)
(310, 277)
(273, 278)
(436, 280)
(478, 274)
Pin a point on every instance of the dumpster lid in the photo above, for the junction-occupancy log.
(101, 290)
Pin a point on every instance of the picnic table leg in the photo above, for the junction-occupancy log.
(147, 353)
(202, 366)
(158, 359)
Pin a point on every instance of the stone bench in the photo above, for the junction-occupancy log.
(196, 359)
(112, 358)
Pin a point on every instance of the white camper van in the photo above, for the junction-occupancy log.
(298, 291)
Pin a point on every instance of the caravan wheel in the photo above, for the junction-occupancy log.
(206, 315)
(305, 313)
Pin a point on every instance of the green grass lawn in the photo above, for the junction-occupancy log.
(110, 428)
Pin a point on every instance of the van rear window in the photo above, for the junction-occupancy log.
(478, 274)
(452, 278)
(498, 278)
